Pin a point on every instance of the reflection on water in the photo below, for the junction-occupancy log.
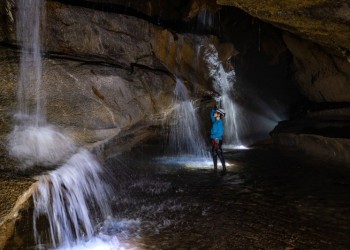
(269, 199)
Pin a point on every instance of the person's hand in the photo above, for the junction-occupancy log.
(212, 103)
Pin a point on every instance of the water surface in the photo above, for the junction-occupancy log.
(269, 199)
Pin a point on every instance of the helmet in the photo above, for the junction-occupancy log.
(221, 112)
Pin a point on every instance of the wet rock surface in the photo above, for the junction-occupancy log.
(92, 103)
(13, 201)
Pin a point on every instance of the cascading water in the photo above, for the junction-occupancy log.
(33, 142)
(28, 23)
(205, 20)
(63, 197)
(185, 135)
(223, 84)
(71, 195)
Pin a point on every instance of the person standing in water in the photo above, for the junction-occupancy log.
(216, 134)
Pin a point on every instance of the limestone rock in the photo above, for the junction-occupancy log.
(108, 72)
(323, 21)
(93, 103)
(320, 76)
(162, 9)
(7, 20)
(184, 55)
(14, 197)
(127, 41)
(328, 149)
(100, 36)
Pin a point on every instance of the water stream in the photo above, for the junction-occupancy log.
(223, 84)
(64, 197)
(185, 136)
(72, 198)
(29, 94)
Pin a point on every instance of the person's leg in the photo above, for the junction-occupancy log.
(221, 156)
(215, 156)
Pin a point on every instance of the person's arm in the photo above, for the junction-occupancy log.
(212, 111)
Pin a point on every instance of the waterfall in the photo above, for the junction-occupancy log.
(72, 194)
(28, 24)
(205, 20)
(63, 196)
(185, 135)
(33, 142)
(223, 84)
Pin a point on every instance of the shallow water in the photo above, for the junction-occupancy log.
(269, 199)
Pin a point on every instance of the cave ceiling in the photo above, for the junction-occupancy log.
(326, 22)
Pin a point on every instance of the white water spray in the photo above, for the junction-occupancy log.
(73, 194)
(185, 135)
(39, 146)
(223, 84)
(63, 196)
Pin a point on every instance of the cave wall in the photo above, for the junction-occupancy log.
(110, 67)
(315, 33)
(286, 61)
(319, 75)
(325, 22)
(106, 75)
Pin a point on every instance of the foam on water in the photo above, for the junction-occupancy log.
(114, 235)
(96, 243)
(43, 146)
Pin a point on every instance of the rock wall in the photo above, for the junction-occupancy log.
(106, 75)
(325, 22)
(320, 44)
(109, 76)
(108, 79)
(315, 32)
(320, 75)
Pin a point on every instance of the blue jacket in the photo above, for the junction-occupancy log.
(217, 129)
